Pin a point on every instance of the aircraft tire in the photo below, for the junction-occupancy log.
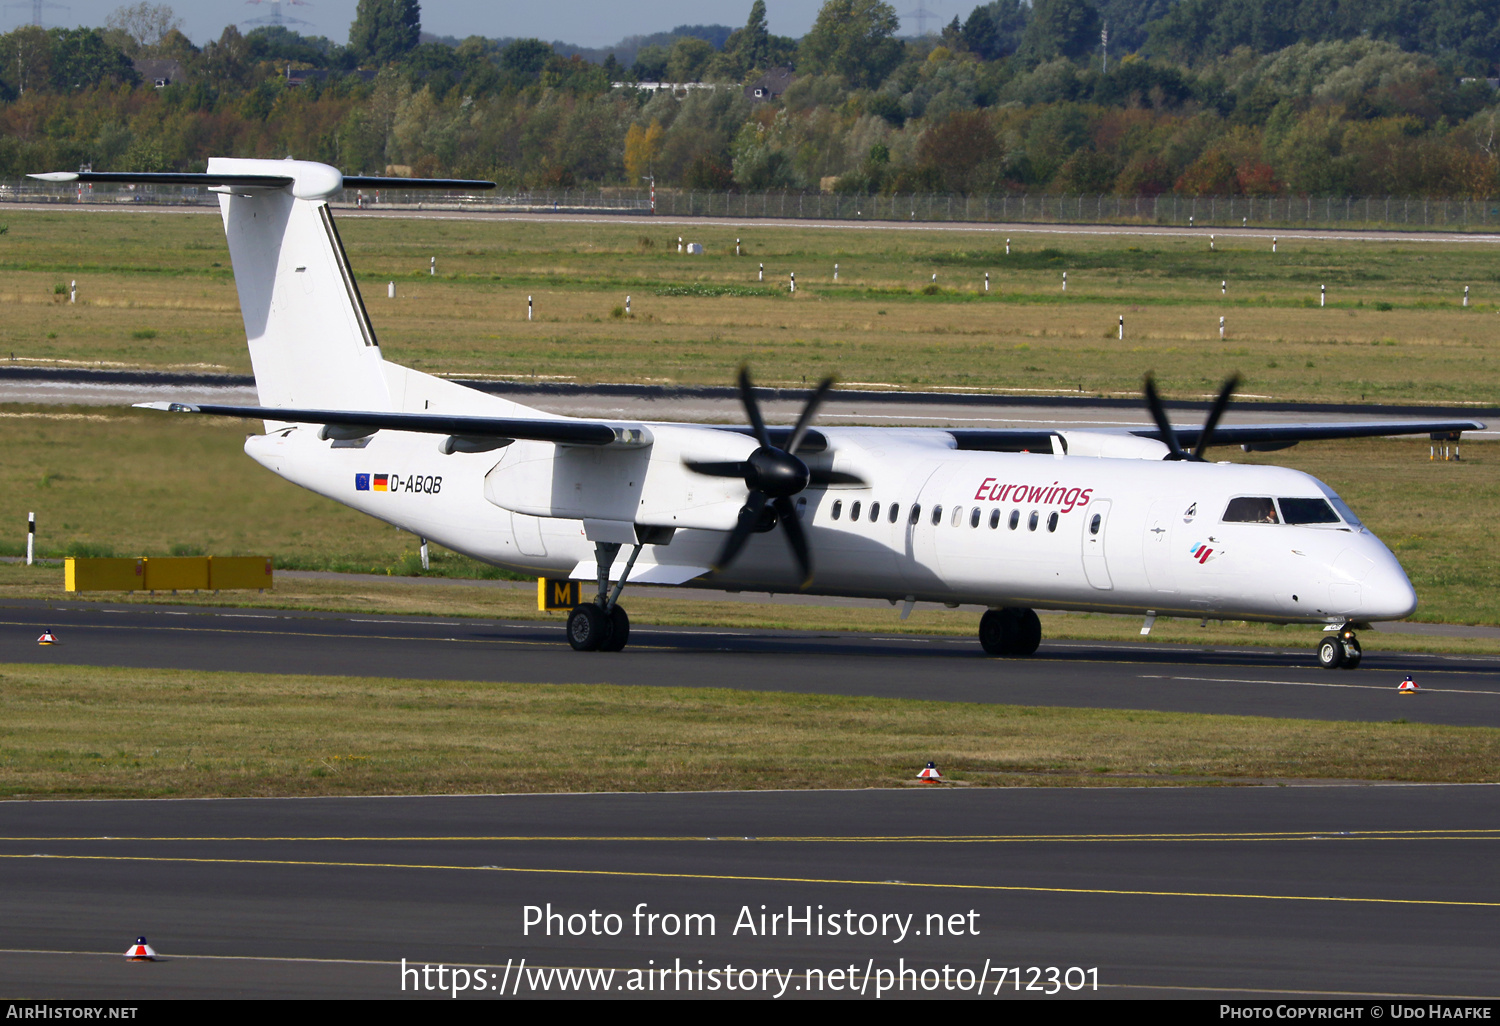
(588, 628)
(1331, 653)
(1010, 632)
(619, 630)
(1352, 654)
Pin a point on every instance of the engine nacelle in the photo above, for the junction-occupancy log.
(1113, 445)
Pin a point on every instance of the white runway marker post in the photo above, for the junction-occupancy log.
(1007, 247)
(432, 267)
(1322, 295)
(1065, 281)
(762, 273)
(1224, 288)
(30, 537)
(1122, 327)
(679, 243)
(627, 306)
(390, 290)
(1466, 295)
(986, 281)
(1221, 327)
(1211, 243)
(1273, 244)
(835, 272)
(73, 292)
(794, 281)
(528, 308)
(736, 247)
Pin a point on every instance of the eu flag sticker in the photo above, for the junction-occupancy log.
(361, 482)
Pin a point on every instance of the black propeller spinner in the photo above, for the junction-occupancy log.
(1169, 436)
(773, 477)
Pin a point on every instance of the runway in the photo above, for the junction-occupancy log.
(1458, 690)
(1209, 893)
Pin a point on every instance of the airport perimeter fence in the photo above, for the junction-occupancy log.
(1409, 213)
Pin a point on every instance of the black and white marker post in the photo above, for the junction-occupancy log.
(30, 537)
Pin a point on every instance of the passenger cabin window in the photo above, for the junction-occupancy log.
(916, 514)
(974, 516)
(895, 513)
(1035, 518)
(1250, 510)
(1095, 524)
(854, 512)
(874, 512)
(1307, 511)
(1015, 519)
(1052, 521)
(958, 516)
(937, 515)
(994, 519)
(838, 508)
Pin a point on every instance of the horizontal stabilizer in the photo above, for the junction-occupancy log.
(257, 181)
(563, 432)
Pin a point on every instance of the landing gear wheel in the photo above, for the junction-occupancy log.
(588, 628)
(1010, 632)
(1331, 653)
(619, 630)
(1352, 653)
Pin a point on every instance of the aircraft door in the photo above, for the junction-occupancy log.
(1157, 545)
(528, 534)
(1095, 524)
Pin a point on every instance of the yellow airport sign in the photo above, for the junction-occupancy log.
(558, 594)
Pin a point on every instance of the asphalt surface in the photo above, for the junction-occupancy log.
(1210, 893)
(1460, 690)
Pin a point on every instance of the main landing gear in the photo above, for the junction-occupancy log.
(602, 625)
(1010, 632)
(1340, 650)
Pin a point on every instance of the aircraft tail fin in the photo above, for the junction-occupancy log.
(311, 342)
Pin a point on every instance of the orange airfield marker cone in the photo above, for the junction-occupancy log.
(930, 774)
(1408, 686)
(46, 639)
(140, 951)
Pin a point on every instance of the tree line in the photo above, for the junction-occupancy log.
(1196, 97)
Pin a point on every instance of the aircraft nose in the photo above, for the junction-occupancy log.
(1387, 594)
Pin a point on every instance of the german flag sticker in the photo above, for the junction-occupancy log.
(382, 482)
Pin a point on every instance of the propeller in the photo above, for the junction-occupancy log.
(1169, 435)
(773, 476)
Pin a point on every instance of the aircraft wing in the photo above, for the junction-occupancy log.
(563, 432)
(1251, 437)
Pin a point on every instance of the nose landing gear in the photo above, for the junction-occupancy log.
(1340, 650)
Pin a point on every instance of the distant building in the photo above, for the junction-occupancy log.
(770, 85)
(302, 76)
(677, 88)
(160, 73)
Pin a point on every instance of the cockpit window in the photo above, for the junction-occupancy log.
(1307, 511)
(1250, 510)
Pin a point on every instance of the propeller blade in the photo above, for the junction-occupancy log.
(808, 413)
(786, 514)
(1159, 414)
(732, 469)
(1225, 394)
(749, 517)
(833, 477)
(752, 409)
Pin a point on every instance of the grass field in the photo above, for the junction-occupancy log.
(91, 732)
(155, 290)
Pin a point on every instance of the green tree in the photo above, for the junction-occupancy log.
(526, 57)
(1060, 28)
(855, 39)
(147, 24)
(385, 30)
(751, 45)
(83, 58)
(26, 59)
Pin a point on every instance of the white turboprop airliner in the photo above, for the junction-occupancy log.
(1129, 521)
